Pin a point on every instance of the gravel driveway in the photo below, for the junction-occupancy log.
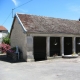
(54, 69)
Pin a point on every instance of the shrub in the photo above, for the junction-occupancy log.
(6, 40)
(11, 50)
(4, 47)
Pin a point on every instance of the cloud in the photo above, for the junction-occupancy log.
(15, 2)
(22, 10)
(74, 8)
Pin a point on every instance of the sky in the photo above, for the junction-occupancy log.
(65, 9)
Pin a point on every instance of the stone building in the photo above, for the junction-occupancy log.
(40, 37)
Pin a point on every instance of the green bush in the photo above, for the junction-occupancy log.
(6, 39)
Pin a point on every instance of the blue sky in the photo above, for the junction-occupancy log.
(66, 9)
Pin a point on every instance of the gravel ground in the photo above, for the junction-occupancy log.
(54, 69)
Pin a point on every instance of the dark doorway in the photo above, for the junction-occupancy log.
(54, 46)
(39, 44)
(77, 44)
(67, 45)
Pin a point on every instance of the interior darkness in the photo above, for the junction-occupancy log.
(67, 45)
(77, 44)
(54, 46)
(39, 44)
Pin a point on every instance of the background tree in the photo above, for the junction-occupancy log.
(6, 39)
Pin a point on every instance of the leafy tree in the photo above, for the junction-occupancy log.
(6, 39)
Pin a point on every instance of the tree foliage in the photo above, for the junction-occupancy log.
(6, 39)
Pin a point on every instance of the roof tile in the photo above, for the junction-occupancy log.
(40, 24)
(2, 28)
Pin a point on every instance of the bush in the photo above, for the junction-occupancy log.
(4, 47)
(11, 50)
(6, 39)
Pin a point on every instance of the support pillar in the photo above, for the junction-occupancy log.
(30, 55)
(48, 46)
(62, 45)
(73, 45)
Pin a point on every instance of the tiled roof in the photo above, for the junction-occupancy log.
(40, 24)
(2, 28)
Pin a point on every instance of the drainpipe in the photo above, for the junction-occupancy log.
(17, 51)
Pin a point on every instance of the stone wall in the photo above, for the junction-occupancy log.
(18, 38)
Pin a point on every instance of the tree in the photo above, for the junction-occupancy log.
(6, 39)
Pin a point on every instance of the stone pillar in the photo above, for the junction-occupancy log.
(48, 46)
(73, 45)
(30, 56)
(62, 45)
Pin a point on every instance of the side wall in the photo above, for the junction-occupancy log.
(3, 34)
(18, 38)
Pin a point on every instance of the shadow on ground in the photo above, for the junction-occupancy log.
(3, 57)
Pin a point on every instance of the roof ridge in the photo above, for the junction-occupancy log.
(46, 16)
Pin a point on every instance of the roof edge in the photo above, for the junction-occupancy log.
(16, 16)
(21, 23)
(49, 17)
(3, 28)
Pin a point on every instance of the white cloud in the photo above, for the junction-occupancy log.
(74, 8)
(15, 2)
(22, 10)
